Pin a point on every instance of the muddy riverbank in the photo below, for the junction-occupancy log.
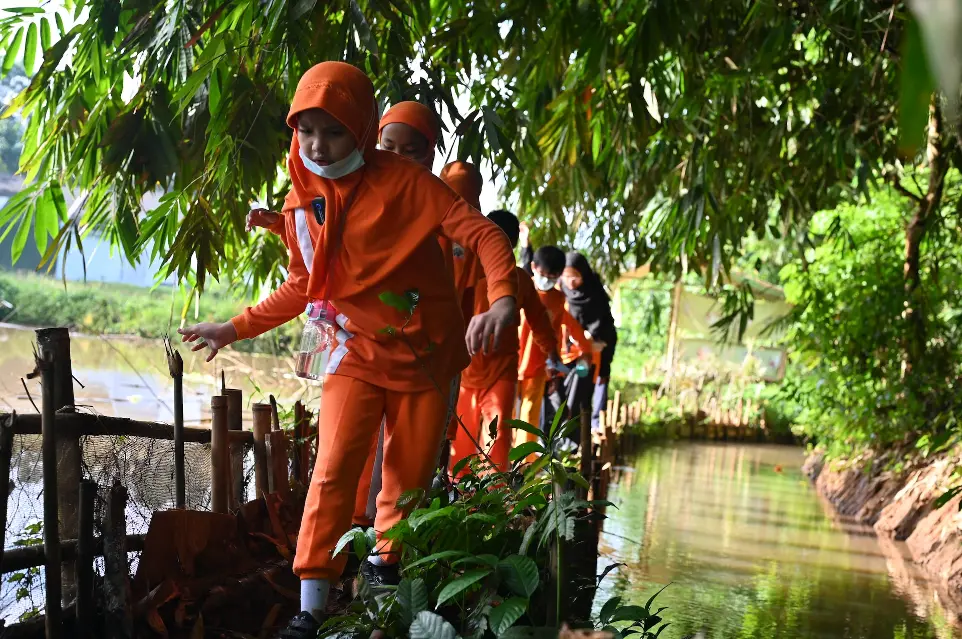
(898, 502)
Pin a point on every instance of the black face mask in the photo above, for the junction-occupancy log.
(319, 204)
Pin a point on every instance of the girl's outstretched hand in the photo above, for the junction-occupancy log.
(262, 218)
(215, 336)
(488, 327)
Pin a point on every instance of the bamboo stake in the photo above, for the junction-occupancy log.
(175, 364)
(6, 453)
(279, 480)
(262, 428)
(219, 455)
(235, 423)
(118, 617)
(85, 560)
(51, 515)
(586, 449)
(296, 459)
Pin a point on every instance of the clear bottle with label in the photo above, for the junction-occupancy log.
(316, 340)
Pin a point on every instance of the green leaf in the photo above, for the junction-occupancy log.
(30, 50)
(420, 517)
(46, 39)
(520, 574)
(412, 595)
(20, 239)
(437, 557)
(556, 421)
(947, 496)
(630, 613)
(301, 8)
(60, 27)
(462, 583)
(504, 616)
(915, 92)
(10, 58)
(529, 534)
(429, 625)
(526, 427)
(25, 11)
(346, 538)
(608, 610)
(578, 480)
(525, 449)
(401, 303)
(651, 599)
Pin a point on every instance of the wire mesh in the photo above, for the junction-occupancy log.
(144, 466)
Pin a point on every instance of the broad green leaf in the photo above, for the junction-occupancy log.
(401, 303)
(429, 625)
(30, 50)
(525, 449)
(526, 427)
(630, 613)
(419, 518)
(444, 555)
(46, 39)
(520, 574)
(25, 11)
(608, 610)
(456, 586)
(13, 51)
(412, 596)
(20, 239)
(506, 614)
(529, 534)
(552, 432)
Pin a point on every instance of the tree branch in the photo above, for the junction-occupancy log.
(896, 182)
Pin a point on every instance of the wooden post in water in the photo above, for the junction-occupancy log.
(118, 618)
(175, 365)
(235, 422)
(219, 454)
(69, 458)
(262, 428)
(86, 609)
(51, 529)
(587, 450)
(6, 453)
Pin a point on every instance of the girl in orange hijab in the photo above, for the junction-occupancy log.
(372, 233)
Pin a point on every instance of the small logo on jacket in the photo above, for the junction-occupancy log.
(457, 250)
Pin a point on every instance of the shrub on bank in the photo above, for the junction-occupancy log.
(122, 309)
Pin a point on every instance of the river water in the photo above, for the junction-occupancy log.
(751, 551)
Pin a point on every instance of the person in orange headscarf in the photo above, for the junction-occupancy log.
(373, 214)
(410, 129)
(489, 383)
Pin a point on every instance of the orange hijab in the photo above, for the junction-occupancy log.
(417, 116)
(464, 179)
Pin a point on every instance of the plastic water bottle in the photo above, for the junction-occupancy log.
(315, 351)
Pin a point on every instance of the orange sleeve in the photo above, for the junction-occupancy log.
(536, 315)
(284, 304)
(473, 231)
(576, 332)
(277, 228)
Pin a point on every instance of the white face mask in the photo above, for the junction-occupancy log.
(335, 170)
(544, 283)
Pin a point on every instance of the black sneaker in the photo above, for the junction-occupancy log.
(380, 577)
(302, 626)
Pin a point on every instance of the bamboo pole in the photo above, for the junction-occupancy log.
(175, 365)
(279, 479)
(118, 617)
(235, 423)
(6, 452)
(262, 428)
(69, 459)
(51, 519)
(219, 455)
(86, 609)
(17, 559)
(275, 420)
(297, 459)
(105, 426)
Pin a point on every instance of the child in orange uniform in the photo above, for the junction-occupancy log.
(372, 233)
(547, 266)
(488, 385)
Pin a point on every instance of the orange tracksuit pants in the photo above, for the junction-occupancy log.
(350, 415)
(478, 407)
(531, 391)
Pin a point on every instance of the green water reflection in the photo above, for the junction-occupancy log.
(751, 552)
